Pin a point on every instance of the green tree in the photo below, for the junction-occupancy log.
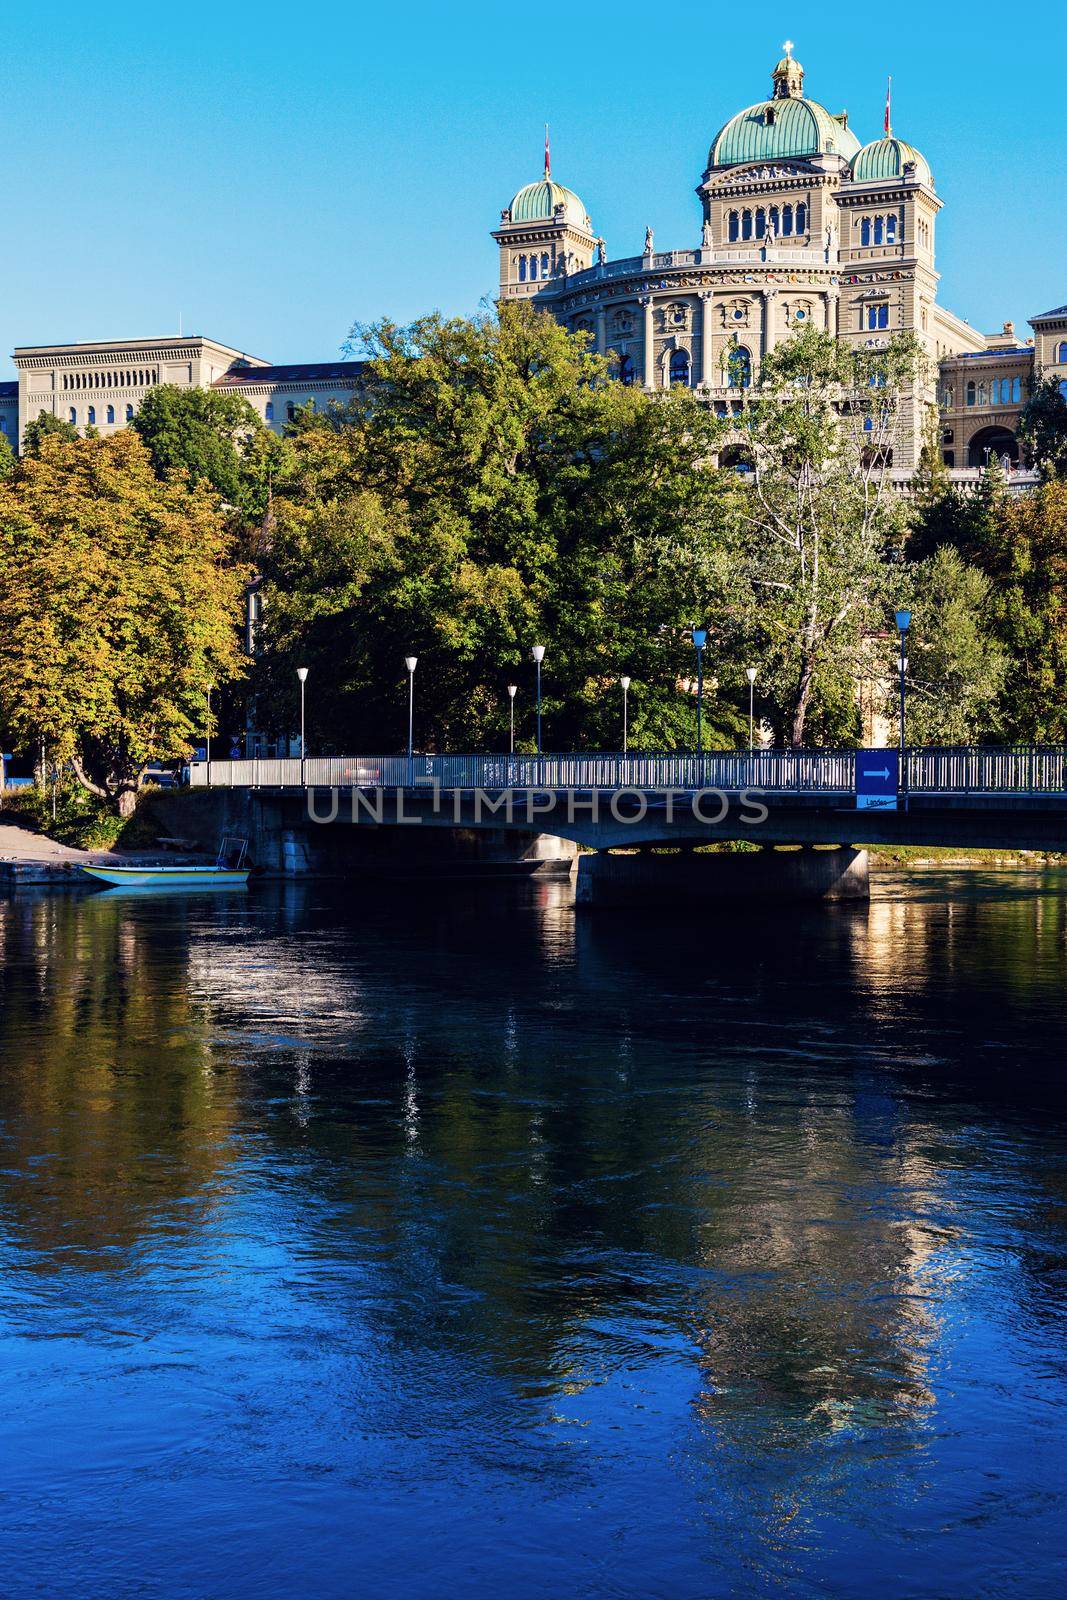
(1043, 429)
(492, 487)
(119, 603)
(45, 426)
(215, 436)
(7, 457)
(818, 525)
(956, 666)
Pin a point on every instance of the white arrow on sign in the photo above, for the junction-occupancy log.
(884, 773)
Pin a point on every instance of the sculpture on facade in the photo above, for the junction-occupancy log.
(648, 241)
(705, 236)
(601, 252)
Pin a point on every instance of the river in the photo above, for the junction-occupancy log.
(451, 1242)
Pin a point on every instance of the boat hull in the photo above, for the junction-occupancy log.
(168, 877)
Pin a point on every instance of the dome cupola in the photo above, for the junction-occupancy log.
(789, 126)
(890, 160)
(548, 201)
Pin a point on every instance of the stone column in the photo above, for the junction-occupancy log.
(707, 341)
(601, 330)
(833, 314)
(770, 297)
(649, 373)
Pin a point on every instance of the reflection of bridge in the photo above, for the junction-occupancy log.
(1011, 799)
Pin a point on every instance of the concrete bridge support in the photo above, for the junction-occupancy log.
(685, 878)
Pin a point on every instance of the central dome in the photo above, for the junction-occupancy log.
(787, 126)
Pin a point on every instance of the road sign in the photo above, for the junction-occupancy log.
(877, 780)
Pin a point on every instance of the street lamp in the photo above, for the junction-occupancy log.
(625, 714)
(207, 751)
(750, 674)
(513, 690)
(903, 624)
(411, 662)
(302, 674)
(538, 653)
(700, 639)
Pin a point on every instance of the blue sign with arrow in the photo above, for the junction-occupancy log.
(877, 780)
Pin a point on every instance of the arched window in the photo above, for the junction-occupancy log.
(970, 396)
(735, 226)
(72, 416)
(949, 457)
(268, 411)
(129, 413)
(761, 222)
(1005, 391)
(787, 219)
(802, 218)
(879, 230)
(679, 371)
(868, 424)
(626, 370)
(533, 268)
(739, 368)
(746, 224)
(865, 231)
(91, 416)
(290, 412)
(890, 230)
(981, 394)
(545, 269)
(993, 392)
(1061, 353)
(111, 413)
(522, 269)
(1016, 390)
(878, 315)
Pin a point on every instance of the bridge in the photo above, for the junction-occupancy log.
(989, 798)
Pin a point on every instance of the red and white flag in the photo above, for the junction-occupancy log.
(548, 158)
(888, 100)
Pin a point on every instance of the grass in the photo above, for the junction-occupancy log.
(81, 819)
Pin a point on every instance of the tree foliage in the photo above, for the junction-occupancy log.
(1043, 429)
(956, 666)
(490, 488)
(215, 436)
(45, 426)
(118, 605)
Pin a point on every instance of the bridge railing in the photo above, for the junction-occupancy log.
(775, 771)
(1011, 770)
(927, 770)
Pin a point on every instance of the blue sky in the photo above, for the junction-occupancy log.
(272, 174)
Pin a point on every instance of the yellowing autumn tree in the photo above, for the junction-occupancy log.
(119, 604)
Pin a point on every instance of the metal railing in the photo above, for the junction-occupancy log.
(958, 770)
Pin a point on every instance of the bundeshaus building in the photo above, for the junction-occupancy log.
(800, 223)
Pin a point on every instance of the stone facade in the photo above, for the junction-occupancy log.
(801, 224)
(102, 385)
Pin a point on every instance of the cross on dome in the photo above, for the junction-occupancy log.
(788, 48)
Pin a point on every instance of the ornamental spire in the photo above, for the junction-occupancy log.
(788, 76)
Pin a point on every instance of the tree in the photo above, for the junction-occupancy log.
(491, 487)
(1043, 429)
(119, 604)
(819, 524)
(45, 426)
(7, 457)
(217, 438)
(956, 667)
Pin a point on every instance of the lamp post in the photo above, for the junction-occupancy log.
(903, 624)
(411, 662)
(538, 653)
(513, 690)
(625, 715)
(207, 735)
(700, 639)
(750, 674)
(302, 674)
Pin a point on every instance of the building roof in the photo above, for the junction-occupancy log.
(886, 159)
(173, 342)
(9, 391)
(1050, 316)
(537, 202)
(305, 372)
(789, 125)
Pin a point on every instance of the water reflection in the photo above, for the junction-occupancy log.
(703, 1253)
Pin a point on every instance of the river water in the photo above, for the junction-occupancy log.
(454, 1243)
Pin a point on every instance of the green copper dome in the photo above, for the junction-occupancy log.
(886, 159)
(537, 202)
(788, 126)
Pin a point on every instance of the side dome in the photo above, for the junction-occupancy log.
(885, 159)
(537, 202)
(786, 127)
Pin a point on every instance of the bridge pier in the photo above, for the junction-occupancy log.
(684, 879)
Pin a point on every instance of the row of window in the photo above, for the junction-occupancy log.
(877, 315)
(90, 415)
(879, 230)
(738, 368)
(126, 378)
(1001, 392)
(756, 225)
(528, 267)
